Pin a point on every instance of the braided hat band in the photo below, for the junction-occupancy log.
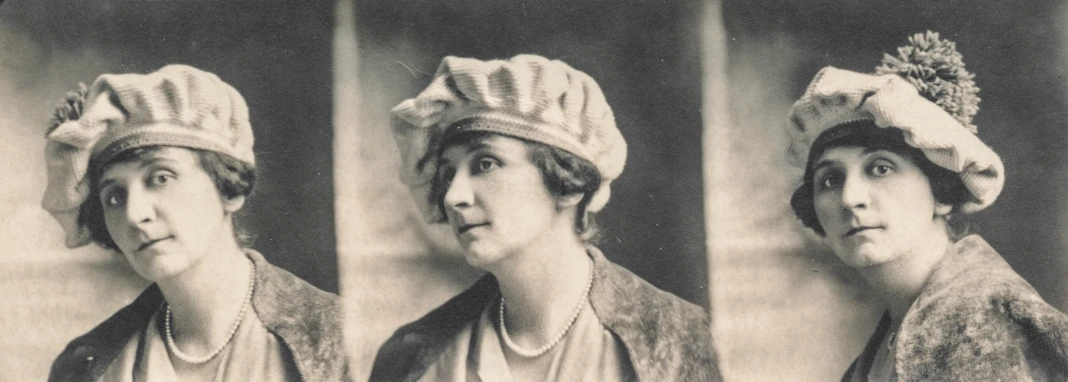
(528, 97)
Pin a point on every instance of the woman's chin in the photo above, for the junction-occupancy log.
(156, 273)
(479, 261)
(866, 256)
(481, 256)
(161, 267)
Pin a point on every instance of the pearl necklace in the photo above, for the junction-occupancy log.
(233, 329)
(545, 348)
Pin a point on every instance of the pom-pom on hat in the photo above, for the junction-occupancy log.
(175, 106)
(528, 97)
(926, 93)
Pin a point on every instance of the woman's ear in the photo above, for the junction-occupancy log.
(942, 209)
(569, 200)
(232, 205)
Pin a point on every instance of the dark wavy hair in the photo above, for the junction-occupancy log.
(562, 172)
(946, 185)
(231, 176)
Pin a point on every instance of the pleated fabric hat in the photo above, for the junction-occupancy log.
(177, 105)
(926, 93)
(528, 97)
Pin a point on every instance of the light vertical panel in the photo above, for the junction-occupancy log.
(781, 308)
(393, 266)
(716, 119)
(346, 141)
(48, 294)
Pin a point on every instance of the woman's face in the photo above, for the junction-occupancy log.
(163, 211)
(495, 199)
(874, 205)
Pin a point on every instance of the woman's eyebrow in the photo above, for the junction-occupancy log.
(869, 150)
(821, 164)
(105, 183)
(468, 149)
(154, 160)
(481, 145)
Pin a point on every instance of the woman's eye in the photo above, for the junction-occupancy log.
(114, 199)
(485, 164)
(881, 169)
(829, 181)
(160, 179)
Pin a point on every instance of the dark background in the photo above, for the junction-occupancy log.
(646, 59)
(277, 54)
(1015, 49)
(784, 306)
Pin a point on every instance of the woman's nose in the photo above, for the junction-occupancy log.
(459, 193)
(139, 207)
(856, 193)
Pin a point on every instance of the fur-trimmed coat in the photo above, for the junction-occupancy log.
(666, 338)
(303, 316)
(976, 320)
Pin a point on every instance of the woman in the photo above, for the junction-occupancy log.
(892, 163)
(517, 156)
(155, 167)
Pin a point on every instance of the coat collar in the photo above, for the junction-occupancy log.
(975, 307)
(666, 338)
(975, 319)
(305, 318)
(87, 357)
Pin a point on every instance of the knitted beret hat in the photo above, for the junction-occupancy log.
(926, 93)
(528, 97)
(175, 106)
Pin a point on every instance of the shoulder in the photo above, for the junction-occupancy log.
(974, 278)
(285, 301)
(977, 317)
(412, 348)
(86, 357)
(307, 318)
(620, 288)
(666, 337)
(289, 291)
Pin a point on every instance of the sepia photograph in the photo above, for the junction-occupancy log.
(556, 190)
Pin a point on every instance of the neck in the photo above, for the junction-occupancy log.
(901, 281)
(206, 298)
(542, 285)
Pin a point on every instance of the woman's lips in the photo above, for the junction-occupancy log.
(857, 230)
(152, 242)
(467, 227)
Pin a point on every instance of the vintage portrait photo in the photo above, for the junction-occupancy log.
(556, 190)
